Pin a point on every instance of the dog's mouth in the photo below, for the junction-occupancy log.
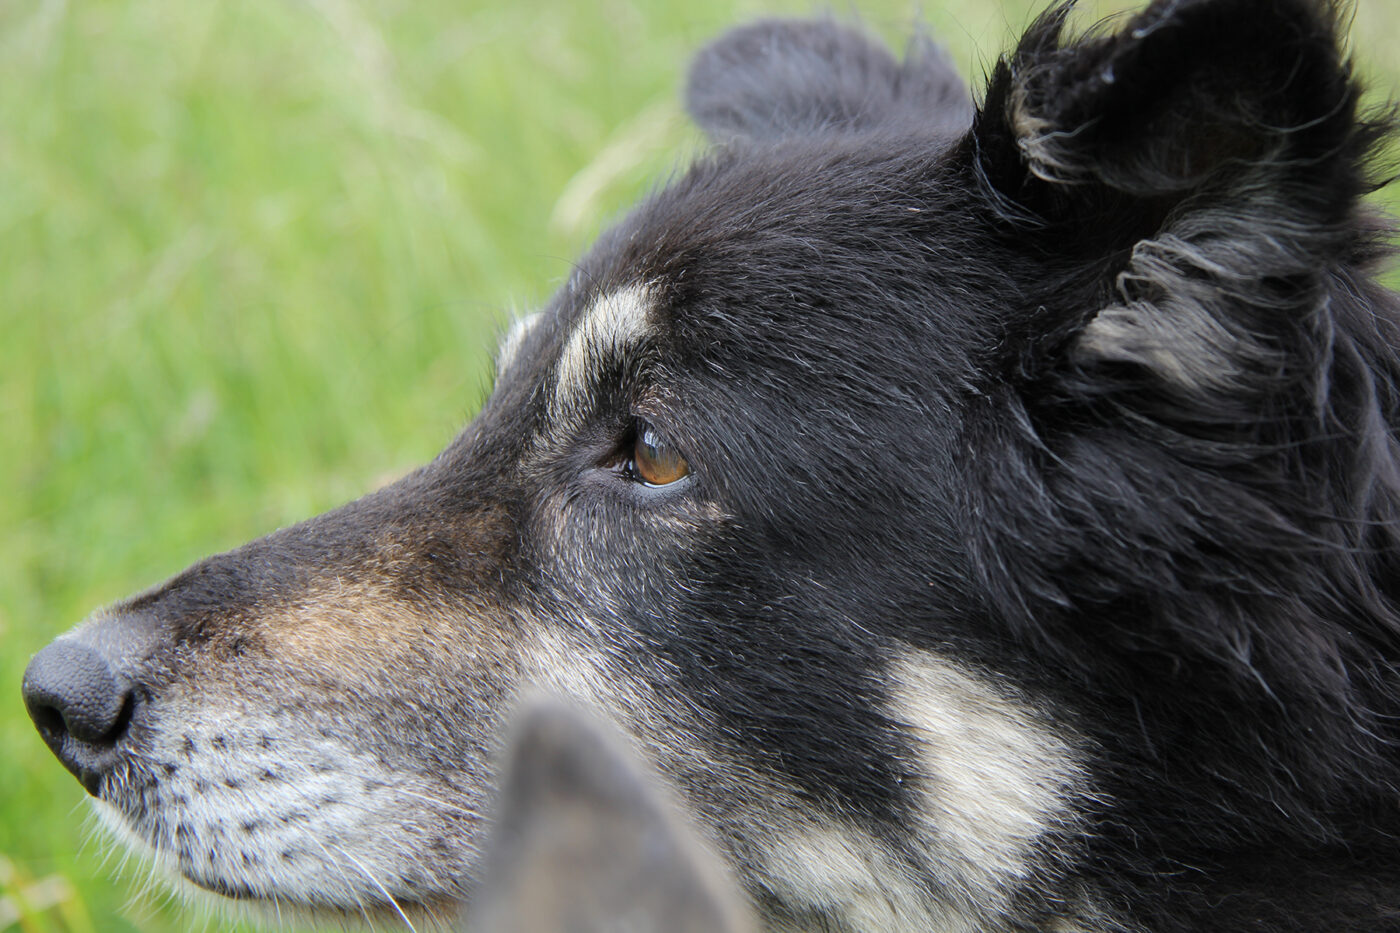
(231, 805)
(320, 890)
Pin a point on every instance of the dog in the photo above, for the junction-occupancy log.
(984, 516)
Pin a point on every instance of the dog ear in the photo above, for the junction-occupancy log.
(780, 78)
(1185, 91)
(1194, 444)
(585, 840)
(1209, 148)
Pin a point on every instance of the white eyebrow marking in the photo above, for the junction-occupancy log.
(510, 343)
(613, 325)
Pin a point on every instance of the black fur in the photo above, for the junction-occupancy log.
(1093, 391)
(1194, 515)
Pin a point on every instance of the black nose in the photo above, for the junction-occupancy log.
(81, 706)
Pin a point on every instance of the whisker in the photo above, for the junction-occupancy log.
(383, 890)
(343, 877)
(445, 804)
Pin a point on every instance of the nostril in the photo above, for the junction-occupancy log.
(80, 704)
(48, 719)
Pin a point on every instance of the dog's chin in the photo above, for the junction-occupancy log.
(335, 887)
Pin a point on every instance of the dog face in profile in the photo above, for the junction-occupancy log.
(983, 517)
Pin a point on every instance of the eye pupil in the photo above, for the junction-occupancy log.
(654, 461)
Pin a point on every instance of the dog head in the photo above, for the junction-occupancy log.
(945, 501)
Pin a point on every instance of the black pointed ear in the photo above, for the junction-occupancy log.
(1209, 155)
(1197, 431)
(1187, 93)
(788, 77)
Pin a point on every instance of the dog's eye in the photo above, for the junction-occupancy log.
(653, 460)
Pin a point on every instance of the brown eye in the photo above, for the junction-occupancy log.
(654, 461)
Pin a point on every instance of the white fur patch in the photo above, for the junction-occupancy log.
(615, 324)
(510, 343)
(996, 778)
(835, 869)
(994, 781)
(992, 777)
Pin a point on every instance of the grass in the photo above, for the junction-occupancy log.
(253, 259)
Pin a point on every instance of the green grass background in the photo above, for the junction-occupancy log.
(253, 259)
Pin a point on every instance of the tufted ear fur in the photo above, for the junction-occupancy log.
(1214, 145)
(1197, 428)
(1182, 91)
(794, 77)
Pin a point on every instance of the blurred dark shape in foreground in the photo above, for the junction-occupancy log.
(586, 841)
